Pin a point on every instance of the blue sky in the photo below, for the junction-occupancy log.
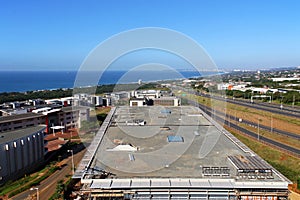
(59, 34)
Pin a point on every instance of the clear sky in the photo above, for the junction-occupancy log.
(59, 34)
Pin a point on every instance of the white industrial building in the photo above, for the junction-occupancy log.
(179, 154)
(151, 94)
(167, 101)
(137, 102)
(96, 100)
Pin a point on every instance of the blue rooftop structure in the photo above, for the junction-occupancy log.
(166, 111)
(175, 138)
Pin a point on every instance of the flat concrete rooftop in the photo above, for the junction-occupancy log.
(11, 118)
(203, 153)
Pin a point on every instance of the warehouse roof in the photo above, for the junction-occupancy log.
(202, 155)
(16, 134)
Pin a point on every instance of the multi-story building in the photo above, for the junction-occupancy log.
(120, 95)
(68, 117)
(161, 101)
(14, 122)
(91, 100)
(96, 100)
(166, 101)
(151, 94)
(7, 112)
(21, 151)
(137, 102)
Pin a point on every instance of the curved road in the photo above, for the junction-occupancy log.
(48, 186)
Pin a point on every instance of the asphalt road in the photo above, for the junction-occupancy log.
(286, 110)
(48, 186)
(268, 128)
(255, 124)
(266, 140)
(284, 147)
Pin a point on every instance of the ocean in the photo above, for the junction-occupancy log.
(22, 81)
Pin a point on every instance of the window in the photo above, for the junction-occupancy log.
(18, 127)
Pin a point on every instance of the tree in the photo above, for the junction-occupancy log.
(59, 191)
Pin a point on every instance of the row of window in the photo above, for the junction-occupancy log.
(22, 141)
(5, 127)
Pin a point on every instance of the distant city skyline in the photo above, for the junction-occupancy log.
(58, 35)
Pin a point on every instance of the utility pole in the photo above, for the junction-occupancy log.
(73, 167)
(258, 129)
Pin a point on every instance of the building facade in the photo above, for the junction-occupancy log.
(15, 122)
(166, 101)
(21, 151)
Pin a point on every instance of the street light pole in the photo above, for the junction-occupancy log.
(281, 106)
(271, 123)
(235, 117)
(72, 161)
(229, 116)
(37, 192)
(62, 129)
(293, 101)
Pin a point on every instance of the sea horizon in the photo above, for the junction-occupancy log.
(23, 81)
